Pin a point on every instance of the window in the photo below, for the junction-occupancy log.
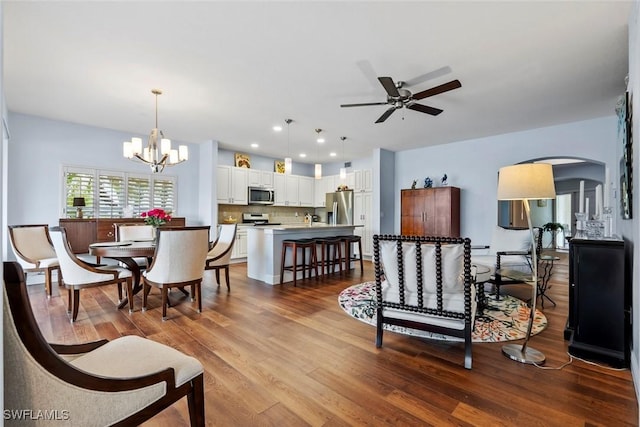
(108, 193)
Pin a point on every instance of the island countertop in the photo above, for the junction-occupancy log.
(264, 246)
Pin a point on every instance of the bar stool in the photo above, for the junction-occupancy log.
(330, 254)
(296, 244)
(348, 241)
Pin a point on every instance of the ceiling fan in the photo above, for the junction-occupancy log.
(399, 97)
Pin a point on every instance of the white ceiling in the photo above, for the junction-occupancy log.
(232, 70)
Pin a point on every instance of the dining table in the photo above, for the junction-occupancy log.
(126, 252)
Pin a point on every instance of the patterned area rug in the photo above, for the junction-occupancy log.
(503, 320)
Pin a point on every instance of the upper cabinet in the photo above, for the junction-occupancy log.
(293, 190)
(306, 191)
(363, 180)
(232, 184)
(258, 178)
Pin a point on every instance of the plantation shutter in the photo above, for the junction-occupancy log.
(111, 194)
(139, 194)
(164, 194)
(79, 183)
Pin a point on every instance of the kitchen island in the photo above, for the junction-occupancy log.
(264, 247)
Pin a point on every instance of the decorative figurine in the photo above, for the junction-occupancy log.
(444, 180)
(428, 182)
(413, 186)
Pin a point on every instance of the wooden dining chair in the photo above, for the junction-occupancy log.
(78, 274)
(133, 232)
(178, 263)
(219, 256)
(122, 382)
(34, 251)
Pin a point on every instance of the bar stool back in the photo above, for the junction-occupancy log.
(305, 267)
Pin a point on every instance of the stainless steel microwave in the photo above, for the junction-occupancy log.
(261, 196)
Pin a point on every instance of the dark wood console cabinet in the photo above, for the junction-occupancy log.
(599, 323)
(430, 212)
(82, 232)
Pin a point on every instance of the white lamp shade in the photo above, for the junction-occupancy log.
(343, 173)
(287, 165)
(165, 146)
(527, 181)
(136, 144)
(318, 171)
(173, 156)
(183, 152)
(127, 149)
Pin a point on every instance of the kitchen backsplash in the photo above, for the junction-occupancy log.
(281, 214)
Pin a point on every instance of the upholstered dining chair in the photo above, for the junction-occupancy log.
(34, 251)
(219, 256)
(178, 262)
(133, 232)
(78, 274)
(81, 382)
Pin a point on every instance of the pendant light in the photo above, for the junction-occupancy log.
(343, 170)
(158, 152)
(288, 166)
(318, 168)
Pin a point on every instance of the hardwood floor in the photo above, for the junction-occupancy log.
(285, 356)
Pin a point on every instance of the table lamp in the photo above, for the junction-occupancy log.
(527, 181)
(78, 203)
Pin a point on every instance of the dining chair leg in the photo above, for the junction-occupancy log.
(226, 276)
(198, 287)
(145, 292)
(69, 301)
(119, 293)
(59, 276)
(217, 270)
(76, 304)
(130, 293)
(195, 402)
(47, 282)
(165, 302)
(193, 292)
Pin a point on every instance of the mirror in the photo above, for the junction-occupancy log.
(568, 172)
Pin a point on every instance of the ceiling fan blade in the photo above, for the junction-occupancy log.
(364, 104)
(454, 84)
(386, 115)
(425, 109)
(427, 76)
(389, 86)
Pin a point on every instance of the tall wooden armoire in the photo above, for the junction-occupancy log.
(430, 212)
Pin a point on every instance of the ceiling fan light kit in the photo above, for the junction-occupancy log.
(158, 152)
(399, 97)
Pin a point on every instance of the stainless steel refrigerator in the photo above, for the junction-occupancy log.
(340, 208)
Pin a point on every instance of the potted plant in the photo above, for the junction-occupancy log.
(553, 228)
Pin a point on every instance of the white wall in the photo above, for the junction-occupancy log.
(473, 165)
(630, 229)
(39, 147)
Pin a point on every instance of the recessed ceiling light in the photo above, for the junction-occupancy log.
(333, 154)
(255, 145)
(320, 140)
(303, 155)
(277, 128)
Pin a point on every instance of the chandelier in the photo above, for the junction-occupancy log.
(158, 153)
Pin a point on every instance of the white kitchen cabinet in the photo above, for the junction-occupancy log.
(319, 192)
(362, 216)
(286, 190)
(232, 184)
(306, 191)
(259, 178)
(363, 180)
(351, 180)
(240, 245)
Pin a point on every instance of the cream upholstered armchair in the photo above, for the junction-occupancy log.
(510, 249)
(219, 256)
(34, 251)
(81, 382)
(79, 274)
(178, 262)
(425, 283)
(133, 232)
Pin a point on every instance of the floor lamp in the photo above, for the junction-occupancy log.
(528, 181)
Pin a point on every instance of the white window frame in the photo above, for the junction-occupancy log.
(96, 196)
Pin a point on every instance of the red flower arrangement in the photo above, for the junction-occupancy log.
(156, 217)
